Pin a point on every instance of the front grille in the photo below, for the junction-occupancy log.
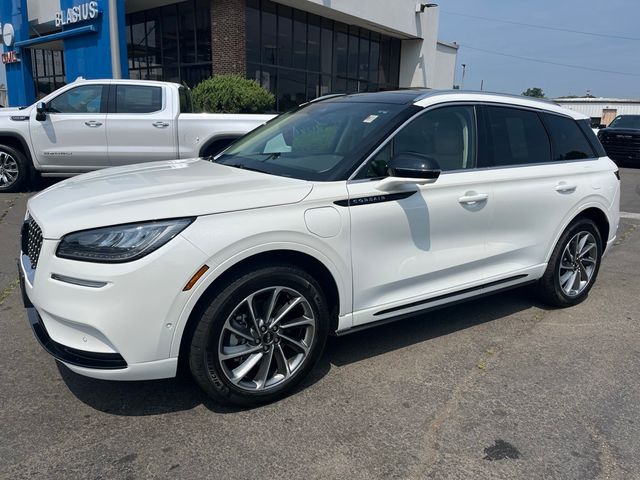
(31, 240)
(621, 146)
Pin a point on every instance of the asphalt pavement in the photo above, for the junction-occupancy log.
(500, 388)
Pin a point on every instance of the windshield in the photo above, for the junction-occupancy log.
(626, 121)
(320, 141)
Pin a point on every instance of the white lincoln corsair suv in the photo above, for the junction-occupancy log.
(350, 211)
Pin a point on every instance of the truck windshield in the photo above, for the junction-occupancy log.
(626, 121)
(320, 141)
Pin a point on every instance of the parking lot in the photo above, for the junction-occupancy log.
(500, 387)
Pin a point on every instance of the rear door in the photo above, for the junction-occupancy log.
(72, 137)
(539, 166)
(140, 124)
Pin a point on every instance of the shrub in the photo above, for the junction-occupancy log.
(231, 94)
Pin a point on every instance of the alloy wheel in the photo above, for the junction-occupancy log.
(578, 263)
(8, 170)
(266, 338)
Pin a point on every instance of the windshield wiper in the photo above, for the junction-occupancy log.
(244, 167)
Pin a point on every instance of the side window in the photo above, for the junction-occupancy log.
(446, 134)
(569, 143)
(138, 99)
(84, 99)
(185, 100)
(517, 137)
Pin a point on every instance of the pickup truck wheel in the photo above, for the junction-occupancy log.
(14, 169)
(260, 336)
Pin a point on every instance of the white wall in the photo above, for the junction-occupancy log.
(446, 57)
(594, 109)
(42, 11)
(387, 16)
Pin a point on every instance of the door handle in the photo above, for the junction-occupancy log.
(92, 124)
(564, 187)
(160, 124)
(473, 198)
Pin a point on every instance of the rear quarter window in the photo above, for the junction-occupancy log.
(186, 106)
(568, 140)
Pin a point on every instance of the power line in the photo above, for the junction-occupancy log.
(548, 62)
(545, 27)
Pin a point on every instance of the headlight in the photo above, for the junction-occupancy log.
(120, 243)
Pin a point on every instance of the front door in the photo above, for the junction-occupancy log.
(72, 138)
(420, 242)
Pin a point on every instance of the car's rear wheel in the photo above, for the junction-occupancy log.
(14, 169)
(260, 336)
(573, 266)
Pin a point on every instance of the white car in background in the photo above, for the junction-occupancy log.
(349, 212)
(92, 124)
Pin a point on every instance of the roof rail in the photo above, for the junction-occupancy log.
(324, 97)
(436, 92)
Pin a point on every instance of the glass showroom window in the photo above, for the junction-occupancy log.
(48, 71)
(299, 56)
(171, 43)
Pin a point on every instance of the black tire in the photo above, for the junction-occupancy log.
(23, 166)
(549, 286)
(204, 352)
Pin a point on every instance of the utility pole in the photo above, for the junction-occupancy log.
(464, 68)
(481, 85)
(116, 71)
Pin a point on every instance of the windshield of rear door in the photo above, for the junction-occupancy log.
(320, 141)
(626, 121)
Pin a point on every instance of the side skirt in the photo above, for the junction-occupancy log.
(431, 308)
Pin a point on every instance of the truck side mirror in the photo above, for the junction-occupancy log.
(41, 111)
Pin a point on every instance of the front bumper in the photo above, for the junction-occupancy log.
(123, 331)
(71, 356)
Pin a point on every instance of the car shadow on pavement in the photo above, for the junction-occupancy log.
(422, 327)
(163, 396)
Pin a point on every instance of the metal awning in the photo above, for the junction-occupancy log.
(56, 36)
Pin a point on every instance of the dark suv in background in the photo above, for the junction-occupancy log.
(621, 140)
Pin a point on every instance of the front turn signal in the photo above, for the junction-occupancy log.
(195, 278)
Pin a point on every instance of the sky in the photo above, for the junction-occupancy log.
(510, 75)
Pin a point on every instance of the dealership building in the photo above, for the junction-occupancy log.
(298, 49)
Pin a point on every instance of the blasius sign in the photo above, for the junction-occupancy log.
(77, 14)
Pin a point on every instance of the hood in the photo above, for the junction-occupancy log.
(630, 131)
(157, 190)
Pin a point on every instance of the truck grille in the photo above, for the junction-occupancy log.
(621, 146)
(31, 240)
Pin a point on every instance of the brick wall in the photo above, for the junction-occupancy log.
(228, 36)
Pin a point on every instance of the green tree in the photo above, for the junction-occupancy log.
(534, 92)
(231, 94)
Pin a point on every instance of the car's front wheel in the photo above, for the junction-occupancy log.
(14, 169)
(573, 266)
(260, 335)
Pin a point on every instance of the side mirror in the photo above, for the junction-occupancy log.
(410, 168)
(41, 111)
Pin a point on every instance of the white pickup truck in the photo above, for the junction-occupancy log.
(92, 124)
